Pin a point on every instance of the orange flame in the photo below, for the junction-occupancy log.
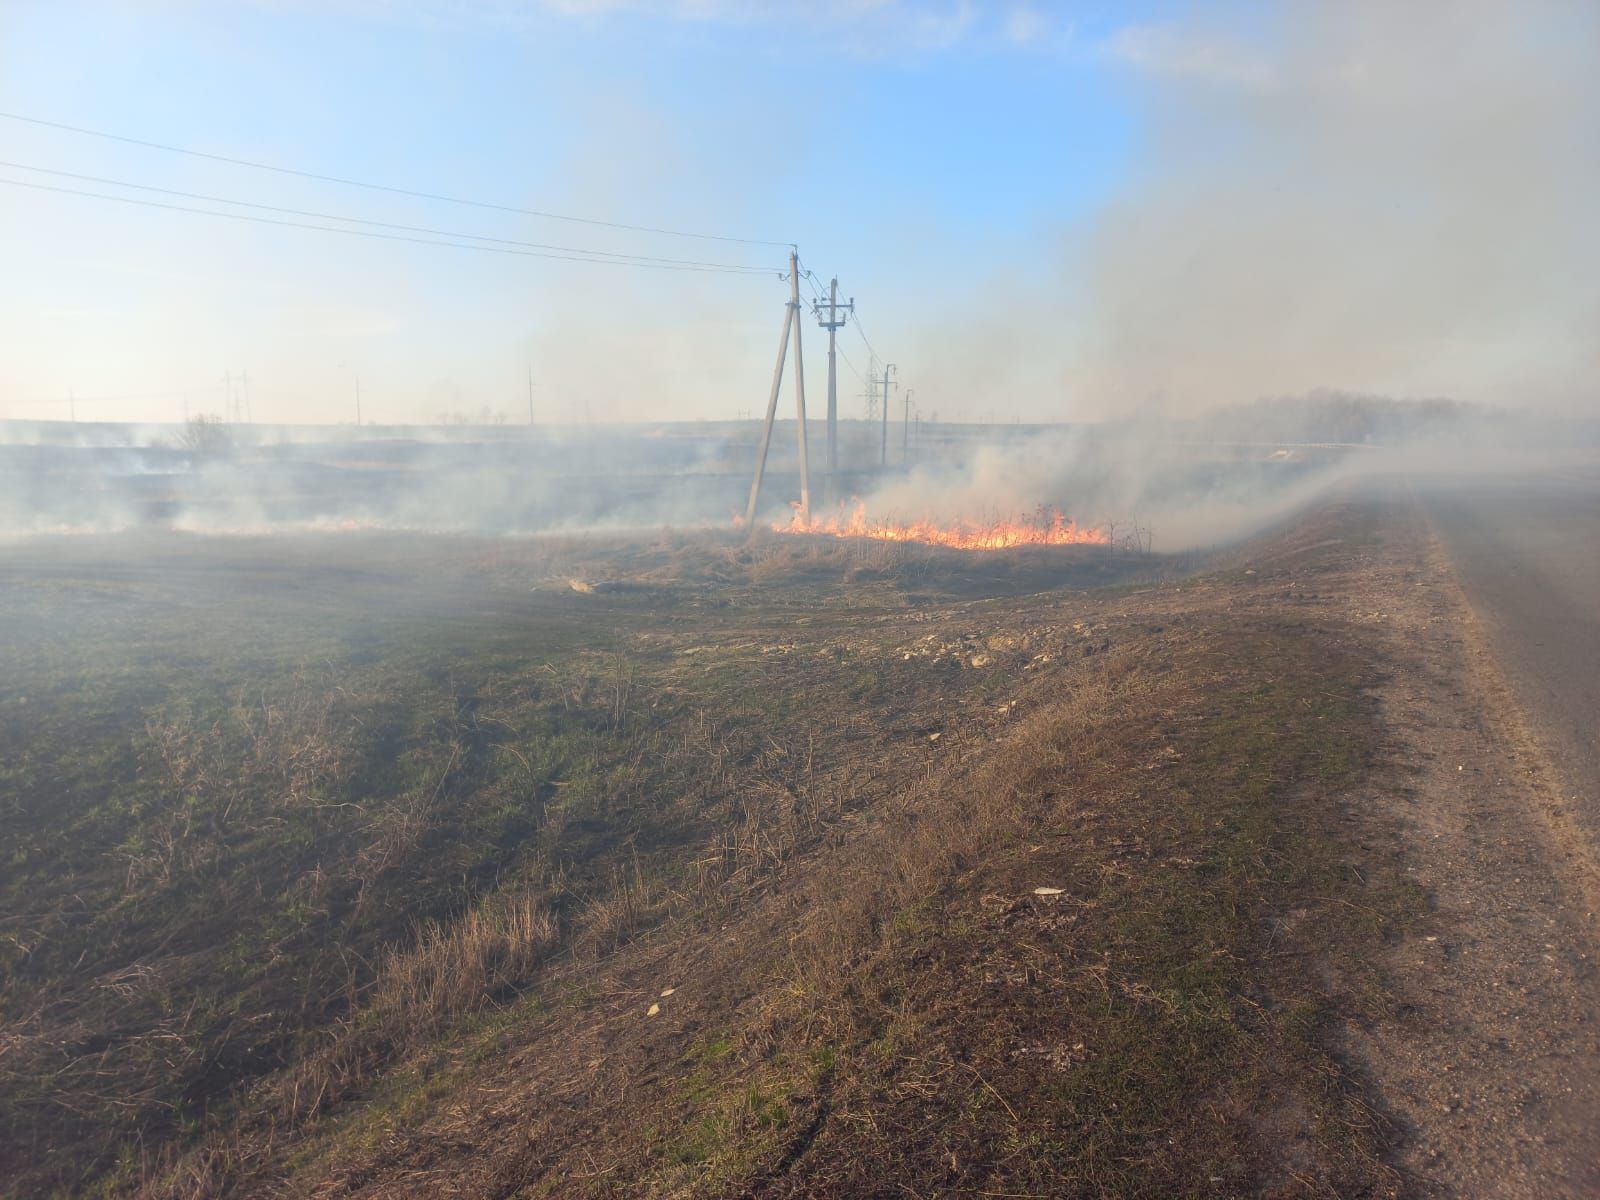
(1046, 527)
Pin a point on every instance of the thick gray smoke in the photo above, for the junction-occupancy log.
(1376, 197)
(1188, 483)
(1395, 198)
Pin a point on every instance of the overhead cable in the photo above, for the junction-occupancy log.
(577, 256)
(380, 187)
(324, 216)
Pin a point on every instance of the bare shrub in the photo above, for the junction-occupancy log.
(204, 434)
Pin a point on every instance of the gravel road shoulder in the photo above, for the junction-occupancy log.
(1491, 1074)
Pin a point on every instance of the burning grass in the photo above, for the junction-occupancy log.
(1044, 527)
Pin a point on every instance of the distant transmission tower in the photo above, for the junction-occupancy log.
(883, 453)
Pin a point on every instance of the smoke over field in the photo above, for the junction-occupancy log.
(1173, 485)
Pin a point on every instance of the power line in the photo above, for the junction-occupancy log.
(380, 187)
(323, 216)
(852, 366)
(864, 341)
(579, 256)
(816, 290)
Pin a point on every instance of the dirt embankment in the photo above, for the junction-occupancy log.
(1055, 896)
(1228, 886)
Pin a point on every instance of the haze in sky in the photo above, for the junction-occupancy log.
(1044, 212)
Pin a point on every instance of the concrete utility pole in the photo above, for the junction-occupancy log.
(883, 453)
(905, 430)
(834, 320)
(799, 386)
(791, 321)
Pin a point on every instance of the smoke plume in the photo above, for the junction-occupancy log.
(1395, 198)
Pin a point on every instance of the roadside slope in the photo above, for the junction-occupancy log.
(1098, 934)
(1243, 885)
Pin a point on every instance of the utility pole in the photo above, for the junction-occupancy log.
(244, 396)
(799, 385)
(883, 450)
(835, 319)
(791, 322)
(905, 429)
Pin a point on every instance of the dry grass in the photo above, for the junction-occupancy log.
(448, 971)
(458, 968)
(875, 992)
(821, 839)
(926, 836)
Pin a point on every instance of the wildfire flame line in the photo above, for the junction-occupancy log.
(1047, 527)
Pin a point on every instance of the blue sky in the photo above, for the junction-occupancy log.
(1015, 193)
(909, 150)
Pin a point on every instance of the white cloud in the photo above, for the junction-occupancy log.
(867, 27)
(1025, 26)
(1207, 56)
